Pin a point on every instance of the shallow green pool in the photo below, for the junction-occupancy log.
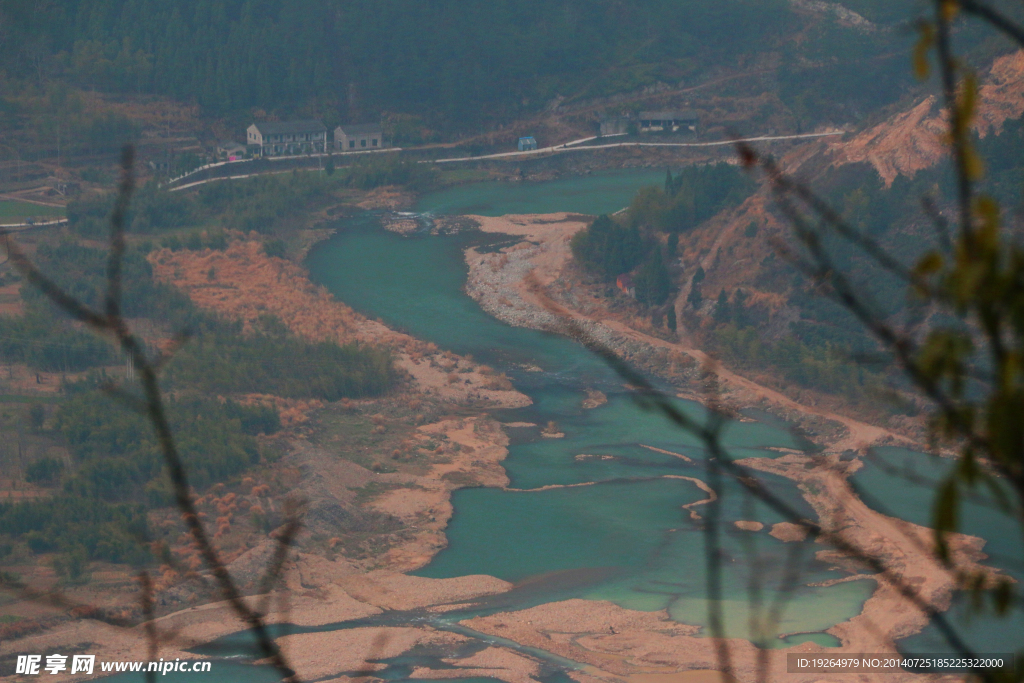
(903, 484)
(602, 192)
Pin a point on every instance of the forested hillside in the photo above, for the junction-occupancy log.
(101, 495)
(454, 63)
(742, 297)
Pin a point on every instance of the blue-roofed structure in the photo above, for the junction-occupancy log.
(527, 143)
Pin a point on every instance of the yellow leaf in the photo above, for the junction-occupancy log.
(988, 211)
(929, 263)
(949, 10)
(968, 100)
(974, 167)
(924, 44)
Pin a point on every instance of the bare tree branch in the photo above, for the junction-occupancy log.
(718, 462)
(112, 323)
(996, 19)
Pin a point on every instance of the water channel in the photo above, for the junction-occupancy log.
(625, 538)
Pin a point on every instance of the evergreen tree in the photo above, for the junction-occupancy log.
(688, 199)
(653, 282)
(695, 297)
(723, 313)
(481, 60)
(607, 248)
(739, 308)
(670, 318)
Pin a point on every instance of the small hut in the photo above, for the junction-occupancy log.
(528, 143)
(669, 121)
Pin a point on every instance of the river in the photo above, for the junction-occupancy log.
(629, 521)
(624, 537)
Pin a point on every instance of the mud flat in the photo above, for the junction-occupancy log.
(482, 445)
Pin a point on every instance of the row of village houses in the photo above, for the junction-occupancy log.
(277, 138)
(309, 136)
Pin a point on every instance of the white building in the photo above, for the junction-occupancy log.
(356, 137)
(274, 138)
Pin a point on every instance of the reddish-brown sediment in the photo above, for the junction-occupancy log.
(482, 445)
(243, 283)
(914, 140)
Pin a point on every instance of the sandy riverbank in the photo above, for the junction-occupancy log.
(243, 283)
(616, 644)
(500, 282)
(318, 591)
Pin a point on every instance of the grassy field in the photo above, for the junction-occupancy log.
(463, 175)
(12, 210)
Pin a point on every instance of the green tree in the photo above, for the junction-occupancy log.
(44, 471)
(606, 248)
(652, 281)
(695, 298)
(672, 246)
(739, 308)
(275, 248)
(723, 313)
(36, 416)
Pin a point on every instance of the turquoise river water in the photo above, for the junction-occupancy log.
(625, 538)
(629, 522)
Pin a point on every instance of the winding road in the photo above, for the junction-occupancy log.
(571, 146)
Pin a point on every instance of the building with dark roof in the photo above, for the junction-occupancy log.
(275, 138)
(355, 137)
(669, 121)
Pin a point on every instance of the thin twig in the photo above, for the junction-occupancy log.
(111, 322)
(650, 398)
